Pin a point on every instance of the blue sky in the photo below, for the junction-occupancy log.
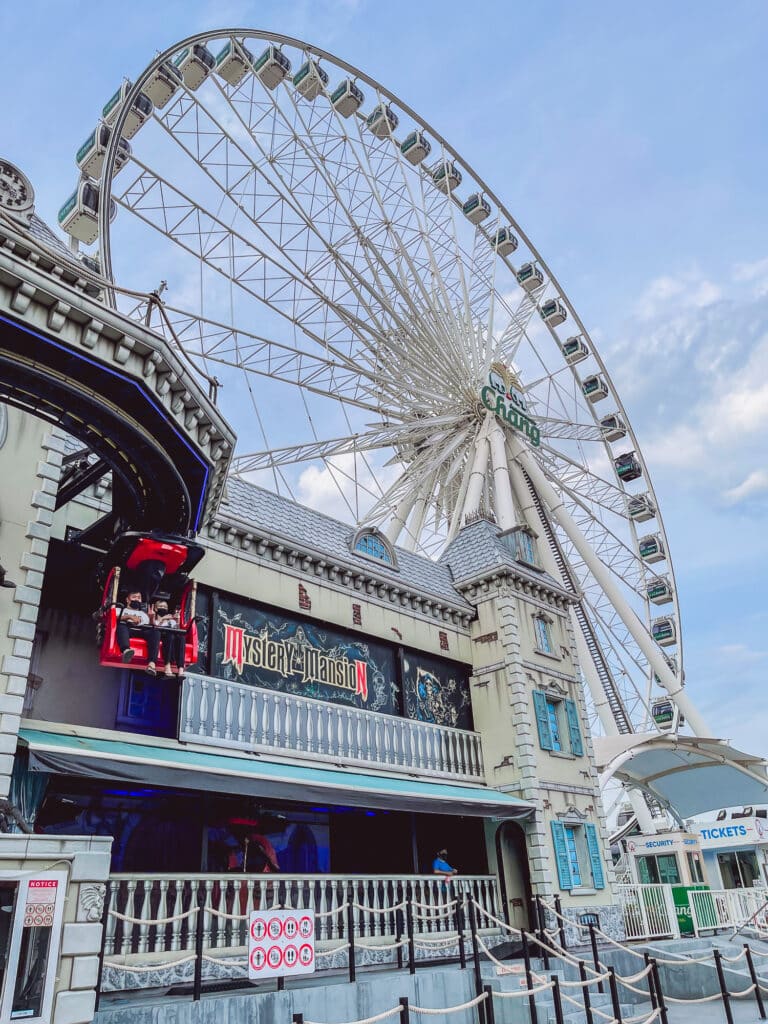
(629, 141)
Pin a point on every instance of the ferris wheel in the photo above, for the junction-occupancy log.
(384, 330)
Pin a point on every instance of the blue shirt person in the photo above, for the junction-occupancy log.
(440, 866)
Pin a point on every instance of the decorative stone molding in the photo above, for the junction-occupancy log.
(90, 904)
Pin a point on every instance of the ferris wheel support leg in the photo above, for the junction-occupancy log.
(399, 519)
(479, 464)
(418, 516)
(602, 575)
(505, 505)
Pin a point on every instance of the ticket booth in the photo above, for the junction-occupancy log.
(667, 858)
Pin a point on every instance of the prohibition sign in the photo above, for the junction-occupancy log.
(275, 928)
(290, 956)
(306, 927)
(258, 929)
(306, 955)
(290, 927)
(274, 957)
(258, 958)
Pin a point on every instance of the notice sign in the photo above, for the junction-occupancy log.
(41, 902)
(281, 942)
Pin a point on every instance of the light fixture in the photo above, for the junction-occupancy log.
(8, 584)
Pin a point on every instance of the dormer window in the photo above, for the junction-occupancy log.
(371, 543)
(521, 541)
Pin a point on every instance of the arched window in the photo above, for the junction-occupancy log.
(372, 544)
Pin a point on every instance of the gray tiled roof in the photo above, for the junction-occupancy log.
(314, 531)
(478, 549)
(40, 231)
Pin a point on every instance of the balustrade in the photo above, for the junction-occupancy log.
(136, 900)
(237, 716)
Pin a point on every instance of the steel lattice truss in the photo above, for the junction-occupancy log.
(353, 313)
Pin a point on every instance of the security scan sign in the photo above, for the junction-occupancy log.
(281, 942)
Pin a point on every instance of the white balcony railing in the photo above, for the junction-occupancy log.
(730, 908)
(232, 715)
(135, 903)
(649, 911)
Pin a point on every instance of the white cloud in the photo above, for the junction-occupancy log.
(333, 487)
(669, 294)
(755, 483)
(754, 274)
(741, 654)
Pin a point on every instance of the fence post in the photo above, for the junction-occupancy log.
(199, 926)
(405, 1013)
(723, 987)
(104, 922)
(659, 992)
(476, 957)
(651, 985)
(595, 957)
(560, 923)
(351, 933)
(460, 931)
(529, 978)
(298, 1018)
(411, 944)
(399, 931)
(755, 982)
(615, 1001)
(490, 1013)
(585, 992)
(557, 999)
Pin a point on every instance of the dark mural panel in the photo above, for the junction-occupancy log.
(279, 652)
(436, 691)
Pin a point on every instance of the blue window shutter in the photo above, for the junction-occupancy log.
(561, 855)
(542, 720)
(593, 845)
(572, 714)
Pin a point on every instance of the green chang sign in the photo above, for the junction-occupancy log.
(502, 396)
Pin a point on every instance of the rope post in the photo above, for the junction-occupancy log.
(615, 1001)
(557, 999)
(199, 926)
(411, 944)
(476, 959)
(405, 1013)
(104, 922)
(351, 934)
(298, 1018)
(490, 1013)
(529, 978)
(281, 983)
(755, 982)
(399, 931)
(651, 986)
(723, 987)
(560, 922)
(585, 992)
(659, 992)
(460, 933)
(595, 957)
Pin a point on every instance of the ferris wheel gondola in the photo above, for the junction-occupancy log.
(387, 301)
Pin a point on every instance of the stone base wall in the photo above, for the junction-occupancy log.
(610, 916)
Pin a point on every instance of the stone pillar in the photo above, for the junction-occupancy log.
(30, 462)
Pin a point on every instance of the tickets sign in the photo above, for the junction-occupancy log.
(281, 942)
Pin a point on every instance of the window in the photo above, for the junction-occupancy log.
(373, 545)
(658, 868)
(695, 867)
(577, 855)
(573, 856)
(526, 547)
(543, 634)
(557, 718)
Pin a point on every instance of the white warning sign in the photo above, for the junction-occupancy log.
(281, 942)
(41, 902)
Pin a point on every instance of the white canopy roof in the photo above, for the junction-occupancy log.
(687, 774)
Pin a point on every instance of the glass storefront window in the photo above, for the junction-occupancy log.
(8, 891)
(31, 975)
(738, 869)
(696, 868)
(658, 868)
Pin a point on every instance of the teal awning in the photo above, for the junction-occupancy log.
(179, 767)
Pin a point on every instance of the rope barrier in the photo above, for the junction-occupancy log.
(434, 913)
(242, 964)
(744, 992)
(523, 992)
(376, 910)
(395, 1011)
(594, 1009)
(587, 981)
(496, 920)
(381, 945)
(139, 969)
(731, 959)
(703, 999)
(433, 906)
(429, 1011)
(329, 913)
(334, 949)
(226, 916)
(641, 1019)
(149, 921)
(426, 943)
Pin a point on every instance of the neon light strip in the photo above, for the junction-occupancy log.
(142, 392)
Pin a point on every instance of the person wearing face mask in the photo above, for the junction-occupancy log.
(172, 638)
(134, 621)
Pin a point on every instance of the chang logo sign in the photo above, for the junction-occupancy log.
(503, 396)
